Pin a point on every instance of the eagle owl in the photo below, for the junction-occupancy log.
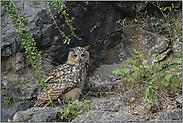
(67, 80)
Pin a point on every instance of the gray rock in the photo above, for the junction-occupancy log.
(7, 112)
(18, 81)
(48, 114)
(179, 98)
(104, 111)
(135, 113)
(174, 115)
(102, 78)
(105, 116)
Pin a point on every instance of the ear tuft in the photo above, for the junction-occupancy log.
(71, 49)
(86, 48)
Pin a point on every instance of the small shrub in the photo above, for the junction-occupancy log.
(154, 82)
(7, 100)
(74, 109)
(158, 80)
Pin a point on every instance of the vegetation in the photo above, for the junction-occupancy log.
(28, 41)
(74, 109)
(60, 7)
(8, 100)
(155, 82)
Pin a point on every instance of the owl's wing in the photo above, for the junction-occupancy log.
(60, 80)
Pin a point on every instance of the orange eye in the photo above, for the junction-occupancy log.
(83, 55)
(75, 56)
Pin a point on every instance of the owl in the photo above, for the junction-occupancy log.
(66, 81)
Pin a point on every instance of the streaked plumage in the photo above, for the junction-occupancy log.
(66, 80)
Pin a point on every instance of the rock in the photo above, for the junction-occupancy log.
(179, 98)
(111, 109)
(129, 8)
(104, 111)
(7, 111)
(48, 114)
(105, 116)
(18, 81)
(102, 78)
(170, 116)
(135, 113)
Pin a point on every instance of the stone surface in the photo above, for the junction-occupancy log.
(48, 114)
(106, 109)
(170, 116)
(110, 109)
(18, 80)
(112, 58)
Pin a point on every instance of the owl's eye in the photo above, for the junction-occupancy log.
(83, 55)
(75, 56)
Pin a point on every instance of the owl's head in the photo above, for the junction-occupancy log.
(79, 55)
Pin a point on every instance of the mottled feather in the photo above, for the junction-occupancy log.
(64, 78)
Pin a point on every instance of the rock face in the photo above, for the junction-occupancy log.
(107, 109)
(95, 23)
(48, 114)
(111, 110)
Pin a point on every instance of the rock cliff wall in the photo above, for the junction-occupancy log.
(95, 23)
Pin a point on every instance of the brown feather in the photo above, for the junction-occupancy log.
(63, 79)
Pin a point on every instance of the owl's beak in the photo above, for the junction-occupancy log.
(79, 59)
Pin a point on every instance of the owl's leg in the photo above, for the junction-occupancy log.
(81, 93)
(48, 104)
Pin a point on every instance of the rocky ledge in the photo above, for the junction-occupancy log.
(106, 109)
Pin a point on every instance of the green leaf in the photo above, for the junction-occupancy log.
(175, 80)
(155, 86)
(91, 107)
(129, 79)
(167, 77)
(73, 112)
(141, 66)
(136, 52)
(86, 101)
(124, 63)
(178, 59)
(166, 83)
(141, 54)
(155, 98)
(137, 55)
(137, 90)
(131, 59)
(148, 106)
(125, 70)
(79, 112)
(171, 90)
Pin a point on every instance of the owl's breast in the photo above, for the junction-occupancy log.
(79, 73)
(72, 75)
